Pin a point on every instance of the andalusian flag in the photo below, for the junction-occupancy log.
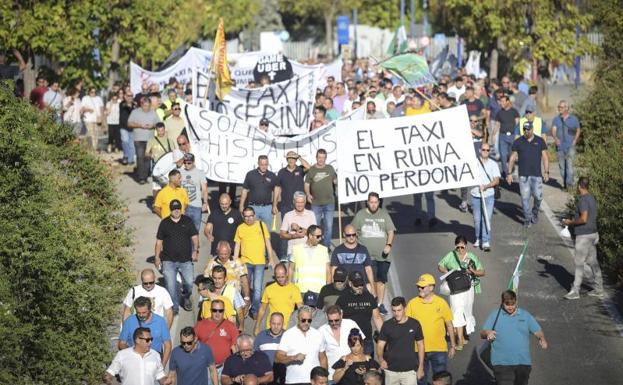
(399, 42)
(218, 66)
(411, 67)
(513, 284)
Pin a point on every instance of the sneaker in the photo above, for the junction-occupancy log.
(382, 309)
(477, 244)
(596, 293)
(572, 295)
(124, 161)
(486, 246)
(463, 207)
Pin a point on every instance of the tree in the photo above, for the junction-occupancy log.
(65, 252)
(601, 113)
(527, 32)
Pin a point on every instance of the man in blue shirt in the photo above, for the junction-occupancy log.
(247, 365)
(145, 318)
(268, 342)
(566, 132)
(508, 330)
(190, 360)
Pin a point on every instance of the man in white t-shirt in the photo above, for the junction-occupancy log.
(484, 194)
(335, 335)
(92, 114)
(301, 349)
(295, 223)
(161, 302)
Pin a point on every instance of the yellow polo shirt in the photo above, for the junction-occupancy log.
(252, 245)
(432, 317)
(281, 299)
(166, 195)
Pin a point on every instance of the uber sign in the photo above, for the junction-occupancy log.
(277, 67)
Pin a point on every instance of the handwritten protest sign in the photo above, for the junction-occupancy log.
(227, 148)
(406, 155)
(287, 105)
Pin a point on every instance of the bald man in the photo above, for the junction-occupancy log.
(161, 302)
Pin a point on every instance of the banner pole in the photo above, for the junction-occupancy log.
(339, 219)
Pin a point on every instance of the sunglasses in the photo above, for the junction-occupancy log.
(306, 320)
(318, 236)
(217, 310)
(177, 109)
(334, 321)
(188, 162)
(149, 283)
(421, 287)
(485, 149)
(186, 343)
(146, 339)
(350, 235)
(181, 144)
(460, 247)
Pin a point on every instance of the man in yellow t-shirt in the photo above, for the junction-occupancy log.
(252, 243)
(173, 190)
(416, 105)
(435, 317)
(280, 296)
(204, 284)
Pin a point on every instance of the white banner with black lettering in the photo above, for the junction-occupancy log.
(406, 155)
(288, 105)
(227, 148)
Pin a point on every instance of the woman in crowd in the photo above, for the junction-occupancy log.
(349, 370)
(462, 303)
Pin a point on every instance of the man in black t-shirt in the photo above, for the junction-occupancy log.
(259, 187)
(331, 291)
(359, 305)
(507, 119)
(353, 256)
(395, 347)
(177, 247)
(222, 224)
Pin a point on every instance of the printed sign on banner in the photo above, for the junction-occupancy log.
(406, 155)
(227, 148)
(287, 105)
(277, 67)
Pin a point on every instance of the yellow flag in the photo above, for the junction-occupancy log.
(219, 67)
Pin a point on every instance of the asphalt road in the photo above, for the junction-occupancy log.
(586, 343)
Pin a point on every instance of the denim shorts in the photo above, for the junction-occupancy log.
(380, 269)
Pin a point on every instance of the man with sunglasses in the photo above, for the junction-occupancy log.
(309, 265)
(359, 305)
(161, 302)
(247, 365)
(301, 349)
(174, 123)
(145, 318)
(435, 317)
(331, 291)
(218, 333)
(353, 256)
(484, 193)
(139, 364)
(195, 183)
(335, 334)
(190, 360)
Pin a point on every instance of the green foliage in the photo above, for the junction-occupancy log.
(63, 248)
(601, 114)
(552, 36)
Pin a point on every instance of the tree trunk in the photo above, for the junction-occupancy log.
(328, 26)
(113, 74)
(30, 75)
(534, 74)
(493, 64)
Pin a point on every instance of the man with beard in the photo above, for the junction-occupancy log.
(190, 359)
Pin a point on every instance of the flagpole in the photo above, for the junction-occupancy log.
(484, 212)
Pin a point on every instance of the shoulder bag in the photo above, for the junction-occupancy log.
(459, 281)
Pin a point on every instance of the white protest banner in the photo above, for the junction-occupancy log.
(406, 155)
(323, 70)
(241, 67)
(227, 148)
(288, 105)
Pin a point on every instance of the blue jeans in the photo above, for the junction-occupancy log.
(194, 213)
(324, 214)
(264, 214)
(566, 159)
(506, 144)
(480, 228)
(127, 144)
(170, 270)
(531, 186)
(256, 281)
(438, 361)
(430, 205)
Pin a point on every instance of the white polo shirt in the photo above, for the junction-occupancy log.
(310, 344)
(135, 369)
(338, 349)
(159, 296)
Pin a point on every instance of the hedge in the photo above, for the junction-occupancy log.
(64, 248)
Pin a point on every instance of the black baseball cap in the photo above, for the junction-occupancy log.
(356, 278)
(175, 205)
(340, 274)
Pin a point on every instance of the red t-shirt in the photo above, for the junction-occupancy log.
(220, 340)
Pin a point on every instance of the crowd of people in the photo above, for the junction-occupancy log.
(322, 319)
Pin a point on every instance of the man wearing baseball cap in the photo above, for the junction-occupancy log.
(319, 317)
(538, 125)
(435, 316)
(177, 247)
(264, 123)
(331, 292)
(195, 183)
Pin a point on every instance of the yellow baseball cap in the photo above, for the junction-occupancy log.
(425, 280)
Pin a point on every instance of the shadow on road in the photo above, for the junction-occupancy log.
(558, 272)
(475, 374)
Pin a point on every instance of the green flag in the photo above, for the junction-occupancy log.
(398, 43)
(411, 67)
(513, 283)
